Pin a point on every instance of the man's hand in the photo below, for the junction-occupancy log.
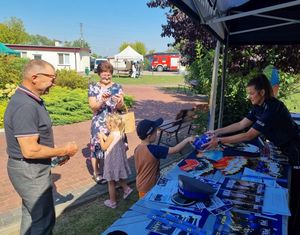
(71, 148)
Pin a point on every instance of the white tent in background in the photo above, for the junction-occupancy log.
(129, 54)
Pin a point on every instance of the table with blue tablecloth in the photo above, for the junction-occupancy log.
(252, 198)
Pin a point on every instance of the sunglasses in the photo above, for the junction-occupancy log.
(53, 76)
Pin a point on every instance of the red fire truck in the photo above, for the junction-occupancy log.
(164, 61)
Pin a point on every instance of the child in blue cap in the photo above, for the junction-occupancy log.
(147, 155)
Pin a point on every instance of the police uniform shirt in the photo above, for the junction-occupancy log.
(26, 115)
(273, 120)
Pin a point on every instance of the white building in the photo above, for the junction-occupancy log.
(60, 57)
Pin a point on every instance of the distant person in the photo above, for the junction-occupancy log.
(272, 74)
(105, 97)
(30, 147)
(138, 69)
(116, 168)
(133, 68)
(147, 155)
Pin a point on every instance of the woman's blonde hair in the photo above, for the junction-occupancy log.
(117, 120)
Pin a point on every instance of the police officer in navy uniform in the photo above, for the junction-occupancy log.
(270, 117)
(30, 147)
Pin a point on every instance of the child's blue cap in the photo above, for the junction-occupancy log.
(146, 127)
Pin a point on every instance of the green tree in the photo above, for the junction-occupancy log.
(124, 45)
(95, 55)
(172, 49)
(152, 51)
(77, 43)
(40, 40)
(138, 46)
(13, 31)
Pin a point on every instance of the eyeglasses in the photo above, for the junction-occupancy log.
(53, 76)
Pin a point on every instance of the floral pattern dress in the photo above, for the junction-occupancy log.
(99, 117)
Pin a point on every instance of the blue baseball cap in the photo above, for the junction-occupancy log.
(147, 127)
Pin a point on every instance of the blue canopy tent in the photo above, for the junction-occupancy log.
(243, 22)
(6, 50)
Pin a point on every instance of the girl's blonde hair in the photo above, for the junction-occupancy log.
(117, 120)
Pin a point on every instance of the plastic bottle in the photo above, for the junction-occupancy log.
(58, 160)
(114, 91)
(200, 140)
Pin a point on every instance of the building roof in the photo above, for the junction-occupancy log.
(8, 51)
(46, 48)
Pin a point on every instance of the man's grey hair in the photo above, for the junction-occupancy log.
(35, 66)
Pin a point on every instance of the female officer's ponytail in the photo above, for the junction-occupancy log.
(261, 82)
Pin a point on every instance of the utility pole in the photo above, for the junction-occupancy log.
(81, 35)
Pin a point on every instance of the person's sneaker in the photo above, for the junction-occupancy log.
(110, 204)
(127, 192)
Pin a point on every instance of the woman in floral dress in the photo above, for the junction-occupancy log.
(105, 97)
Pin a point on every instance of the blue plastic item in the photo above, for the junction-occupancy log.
(200, 140)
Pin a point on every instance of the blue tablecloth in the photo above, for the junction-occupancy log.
(135, 220)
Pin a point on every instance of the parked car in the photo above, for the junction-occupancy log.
(97, 62)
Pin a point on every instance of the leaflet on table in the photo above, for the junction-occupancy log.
(163, 190)
(215, 205)
(176, 222)
(241, 205)
(270, 168)
(254, 176)
(237, 222)
(241, 196)
(276, 201)
(243, 186)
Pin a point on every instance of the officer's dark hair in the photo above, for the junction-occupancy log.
(261, 82)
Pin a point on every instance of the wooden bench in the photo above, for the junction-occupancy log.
(187, 87)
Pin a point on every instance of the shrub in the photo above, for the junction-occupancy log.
(11, 69)
(129, 101)
(201, 120)
(71, 79)
(3, 104)
(8, 91)
(67, 106)
(201, 69)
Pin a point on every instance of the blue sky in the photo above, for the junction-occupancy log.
(106, 23)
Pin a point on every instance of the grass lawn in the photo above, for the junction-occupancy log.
(92, 218)
(146, 80)
(293, 103)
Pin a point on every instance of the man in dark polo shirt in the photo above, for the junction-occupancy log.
(30, 147)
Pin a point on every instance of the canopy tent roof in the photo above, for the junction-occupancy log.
(6, 50)
(247, 22)
(130, 54)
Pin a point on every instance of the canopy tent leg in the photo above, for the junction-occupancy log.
(214, 85)
(224, 73)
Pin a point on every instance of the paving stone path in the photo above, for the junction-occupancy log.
(74, 178)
